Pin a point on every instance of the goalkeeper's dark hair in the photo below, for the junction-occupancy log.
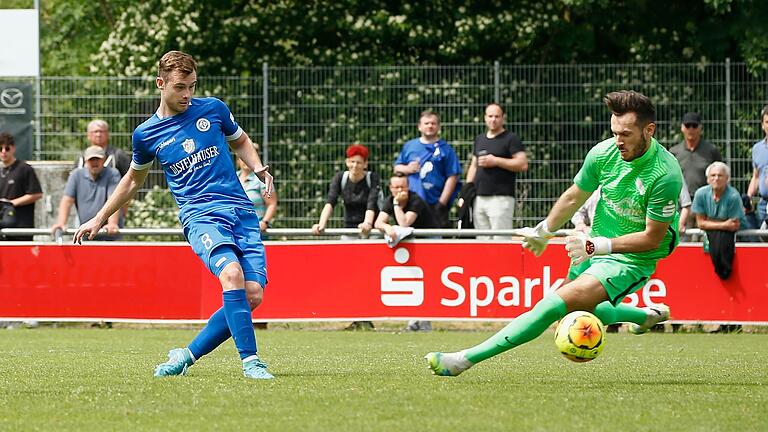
(629, 101)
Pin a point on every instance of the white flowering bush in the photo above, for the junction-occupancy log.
(157, 209)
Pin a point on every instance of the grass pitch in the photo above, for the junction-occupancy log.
(93, 379)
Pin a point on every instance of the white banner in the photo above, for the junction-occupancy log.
(19, 43)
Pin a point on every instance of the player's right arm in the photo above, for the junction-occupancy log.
(123, 193)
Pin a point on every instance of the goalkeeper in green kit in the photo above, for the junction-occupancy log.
(635, 225)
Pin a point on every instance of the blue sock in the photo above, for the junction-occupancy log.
(238, 315)
(215, 333)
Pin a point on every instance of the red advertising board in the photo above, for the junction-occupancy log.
(359, 280)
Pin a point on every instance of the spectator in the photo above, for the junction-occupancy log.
(694, 154)
(498, 156)
(98, 134)
(19, 186)
(358, 188)
(266, 206)
(409, 211)
(719, 212)
(758, 185)
(88, 189)
(432, 167)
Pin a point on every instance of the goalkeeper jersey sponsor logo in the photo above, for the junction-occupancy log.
(669, 209)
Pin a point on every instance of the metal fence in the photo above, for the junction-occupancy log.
(305, 117)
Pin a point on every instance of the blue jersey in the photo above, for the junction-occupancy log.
(193, 151)
(437, 162)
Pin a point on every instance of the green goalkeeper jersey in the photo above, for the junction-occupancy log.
(647, 187)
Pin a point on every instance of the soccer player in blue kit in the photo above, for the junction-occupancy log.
(191, 138)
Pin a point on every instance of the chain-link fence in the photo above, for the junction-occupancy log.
(305, 117)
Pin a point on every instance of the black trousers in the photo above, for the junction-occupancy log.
(722, 250)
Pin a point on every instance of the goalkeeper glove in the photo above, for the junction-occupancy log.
(536, 239)
(580, 247)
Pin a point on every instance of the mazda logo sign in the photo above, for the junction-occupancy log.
(11, 98)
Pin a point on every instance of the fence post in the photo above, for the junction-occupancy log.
(728, 144)
(496, 82)
(265, 113)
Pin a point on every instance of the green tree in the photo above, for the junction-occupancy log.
(234, 38)
(72, 31)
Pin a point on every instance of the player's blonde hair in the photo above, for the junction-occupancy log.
(176, 60)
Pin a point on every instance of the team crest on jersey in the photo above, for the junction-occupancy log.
(203, 124)
(188, 145)
(640, 187)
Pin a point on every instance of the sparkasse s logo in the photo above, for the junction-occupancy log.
(402, 285)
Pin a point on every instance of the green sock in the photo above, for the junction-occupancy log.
(610, 314)
(524, 328)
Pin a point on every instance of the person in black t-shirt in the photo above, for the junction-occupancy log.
(409, 210)
(498, 156)
(18, 185)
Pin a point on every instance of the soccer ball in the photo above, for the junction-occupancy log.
(580, 336)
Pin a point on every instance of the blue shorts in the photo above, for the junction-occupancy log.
(236, 227)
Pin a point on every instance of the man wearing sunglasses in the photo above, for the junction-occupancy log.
(19, 186)
(694, 154)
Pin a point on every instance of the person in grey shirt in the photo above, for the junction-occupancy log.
(694, 154)
(88, 189)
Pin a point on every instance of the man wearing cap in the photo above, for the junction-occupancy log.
(694, 155)
(97, 134)
(88, 189)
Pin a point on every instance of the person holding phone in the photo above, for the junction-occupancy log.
(498, 156)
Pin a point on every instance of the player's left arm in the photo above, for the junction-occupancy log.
(245, 150)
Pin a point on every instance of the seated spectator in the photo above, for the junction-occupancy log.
(719, 212)
(409, 211)
(19, 187)
(266, 207)
(88, 189)
(358, 188)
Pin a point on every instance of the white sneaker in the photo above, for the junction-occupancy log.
(656, 314)
(447, 364)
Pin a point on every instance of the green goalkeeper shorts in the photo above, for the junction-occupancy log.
(619, 277)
